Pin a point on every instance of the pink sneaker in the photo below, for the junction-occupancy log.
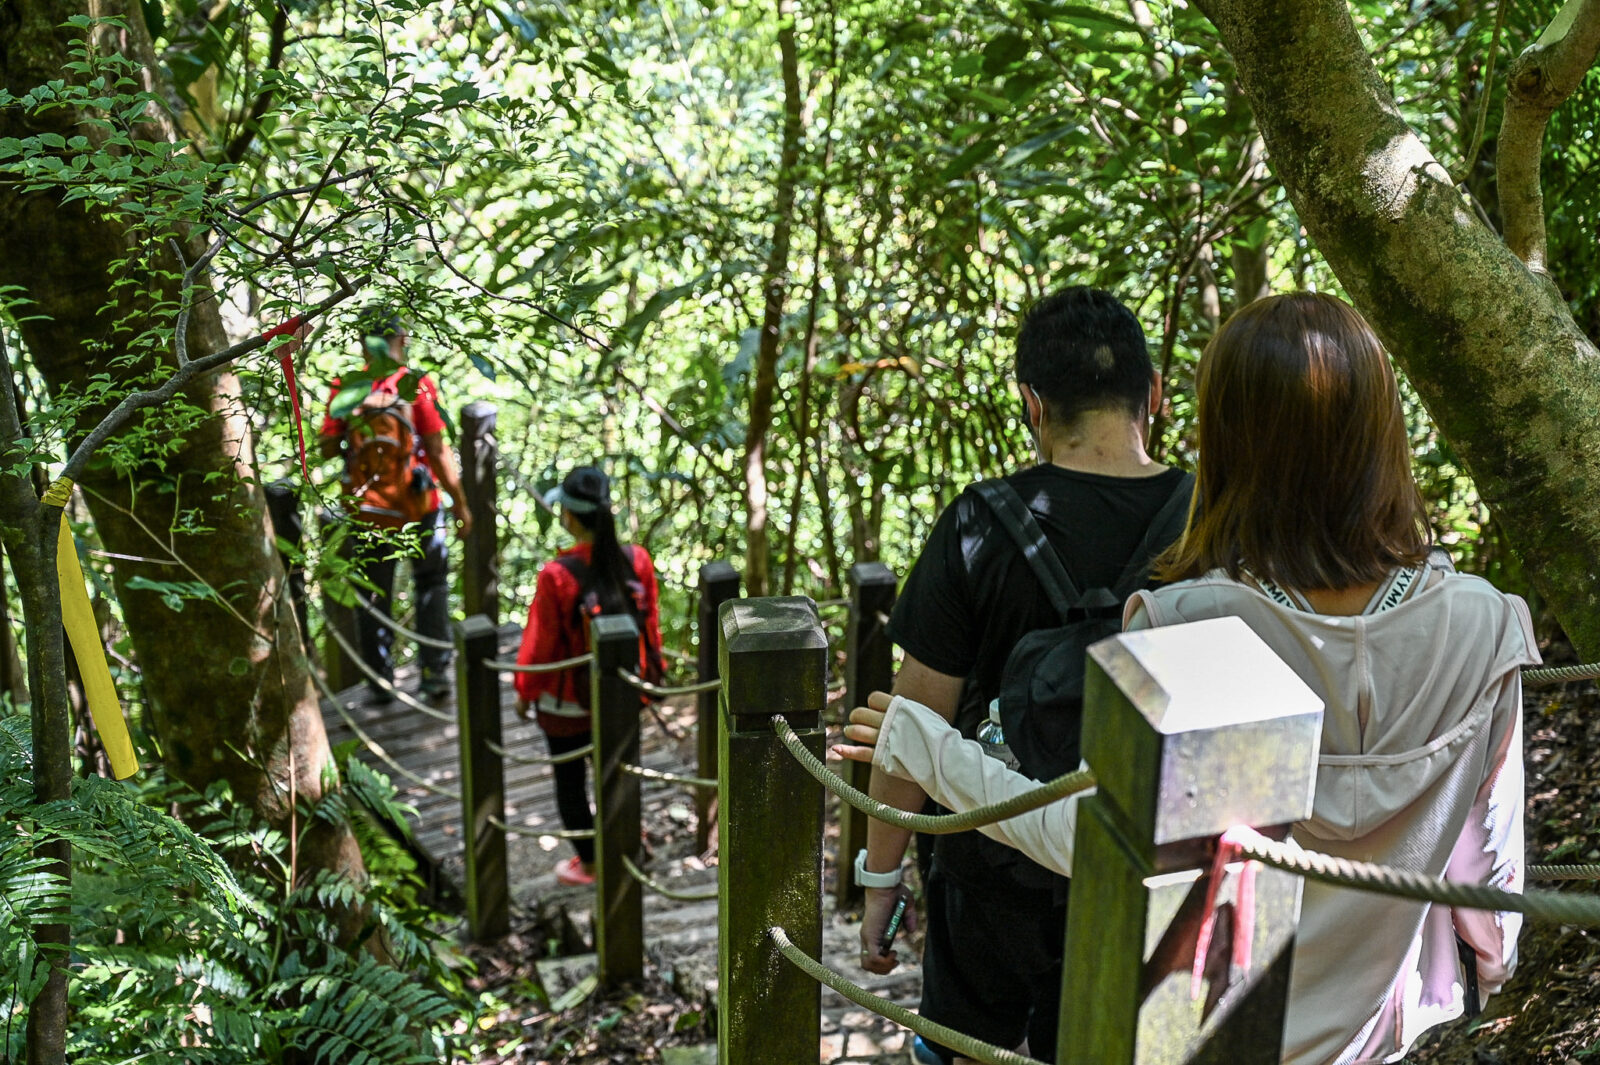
(571, 872)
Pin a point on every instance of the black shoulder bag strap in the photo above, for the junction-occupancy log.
(1018, 520)
(1164, 528)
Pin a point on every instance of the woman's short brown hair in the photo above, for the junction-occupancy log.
(1304, 475)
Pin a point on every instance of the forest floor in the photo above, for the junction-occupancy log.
(1549, 1014)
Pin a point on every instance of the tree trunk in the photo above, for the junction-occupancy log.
(764, 381)
(1507, 375)
(227, 681)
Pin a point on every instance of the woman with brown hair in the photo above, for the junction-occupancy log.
(1306, 524)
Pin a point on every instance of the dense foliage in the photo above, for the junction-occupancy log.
(571, 204)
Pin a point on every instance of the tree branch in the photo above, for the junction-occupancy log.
(240, 144)
(1539, 81)
(132, 404)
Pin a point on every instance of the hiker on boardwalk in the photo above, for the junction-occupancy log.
(1308, 525)
(596, 575)
(396, 458)
(995, 920)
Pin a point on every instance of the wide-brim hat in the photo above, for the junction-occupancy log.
(583, 491)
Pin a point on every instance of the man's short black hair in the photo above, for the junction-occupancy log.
(1081, 350)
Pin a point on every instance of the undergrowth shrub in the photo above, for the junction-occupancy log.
(179, 954)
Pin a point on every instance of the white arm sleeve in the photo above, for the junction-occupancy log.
(917, 744)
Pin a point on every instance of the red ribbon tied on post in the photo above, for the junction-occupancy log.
(286, 361)
(1229, 850)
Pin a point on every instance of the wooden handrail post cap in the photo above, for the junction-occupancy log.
(785, 633)
(1190, 730)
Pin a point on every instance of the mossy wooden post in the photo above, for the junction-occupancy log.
(719, 582)
(480, 551)
(1190, 730)
(868, 667)
(341, 670)
(483, 791)
(774, 661)
(619, 899)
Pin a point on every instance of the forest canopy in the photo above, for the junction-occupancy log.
(762, 263)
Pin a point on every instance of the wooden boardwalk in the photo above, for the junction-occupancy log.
(681, 937)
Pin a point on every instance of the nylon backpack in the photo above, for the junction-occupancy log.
(589, 607)
(1041, 686)
(386, 473)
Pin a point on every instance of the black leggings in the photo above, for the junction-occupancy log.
(572, 791)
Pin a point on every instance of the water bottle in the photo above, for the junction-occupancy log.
(992, 738)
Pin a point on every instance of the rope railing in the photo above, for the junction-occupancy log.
(411, 634)
(962, 1044)
(1560, 674)
(661, 889)
(554, 833)
(375, 677)
(937, 824)
(542, 667)
(553, 759)
(661, 692)
(1577, 910)
(374, 746)
(1564, 872)
(831, 604)
(671, 778)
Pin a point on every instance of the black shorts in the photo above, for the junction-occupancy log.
(991, 968)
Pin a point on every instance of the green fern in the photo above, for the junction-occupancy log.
(178, 956)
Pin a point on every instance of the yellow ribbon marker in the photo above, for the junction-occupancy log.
(84, 635)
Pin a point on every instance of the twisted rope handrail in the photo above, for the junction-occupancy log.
(426, 641)
(936, 824)
(554, 833)
(1564, 872)
(541, 667)
(831, 604)
(960, 1043)
(373, 745)
(1560, 674)
(554, 759)
(375, 677)
(660, 889)
(1579, 910)
(671, 778)
(661, 692)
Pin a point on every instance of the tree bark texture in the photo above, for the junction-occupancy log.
(1506, 374)
(228, 685)
(764, 380)
(1539, 80)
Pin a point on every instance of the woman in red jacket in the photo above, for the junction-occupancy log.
(596, 575)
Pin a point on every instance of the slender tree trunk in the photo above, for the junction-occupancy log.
(227, 681)
(1507, 375)
(764, 382)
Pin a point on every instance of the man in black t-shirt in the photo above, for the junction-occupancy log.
(995, 920)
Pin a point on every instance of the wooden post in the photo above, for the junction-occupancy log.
(1190, 730)
(868, 667)
(480, 551)
(774, 661)
(339, 617)
(614, 703)
(719, 582)
(483, 791)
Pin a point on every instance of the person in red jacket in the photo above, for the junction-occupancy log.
(596, 575)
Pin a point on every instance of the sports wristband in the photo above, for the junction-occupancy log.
(874, 880)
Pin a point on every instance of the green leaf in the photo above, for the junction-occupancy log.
(238, 666)
(1032, 145)
(1005, 49)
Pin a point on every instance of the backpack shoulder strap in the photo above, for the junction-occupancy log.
(1164, 528)
(1015, 517)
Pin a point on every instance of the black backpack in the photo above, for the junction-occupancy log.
(1041, 687)
(589, 607)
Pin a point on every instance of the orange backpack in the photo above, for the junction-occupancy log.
(386, 473)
